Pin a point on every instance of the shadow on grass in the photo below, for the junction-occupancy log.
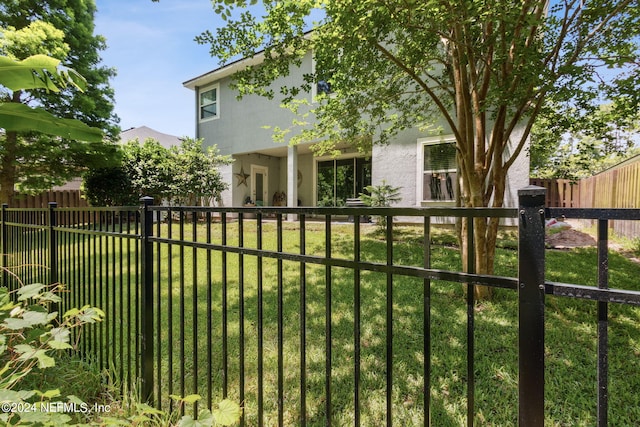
(570, 335)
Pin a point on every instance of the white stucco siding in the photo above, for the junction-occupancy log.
(247, 125)
(306, 181)
(399, 164)
(518, 174)
(227, 176)
(396, 164)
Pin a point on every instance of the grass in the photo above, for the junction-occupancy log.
(72, 376)
(186, 306)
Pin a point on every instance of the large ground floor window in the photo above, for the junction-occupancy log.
(438, 170)
(342, 179)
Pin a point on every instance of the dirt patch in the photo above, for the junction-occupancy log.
(574, 238)
(569, 239)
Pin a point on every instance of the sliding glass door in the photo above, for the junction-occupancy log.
(341, 179)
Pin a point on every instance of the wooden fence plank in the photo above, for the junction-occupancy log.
(618, 187)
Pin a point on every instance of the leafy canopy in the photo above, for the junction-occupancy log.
(75, 20)
(31, 160)
(41, 72)
(482, 70)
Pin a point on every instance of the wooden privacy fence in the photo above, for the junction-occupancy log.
(64, 198)
(618, 187)
(561, 193)
(615, 188)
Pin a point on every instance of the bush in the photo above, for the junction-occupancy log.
(31, 337)
(381, 196)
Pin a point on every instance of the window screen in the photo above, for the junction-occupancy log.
(439, 180)
(440, 157)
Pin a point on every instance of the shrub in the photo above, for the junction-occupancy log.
(381, 196)
(30, 338)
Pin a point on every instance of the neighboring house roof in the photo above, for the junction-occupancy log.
(143, 133)
(74, 184)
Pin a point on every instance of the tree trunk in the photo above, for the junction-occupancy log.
(483, 249)
(9, 170)
(479, 190)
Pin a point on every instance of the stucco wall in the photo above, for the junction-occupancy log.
(306, 186)
(241, 125)
(241, 129)
(397, 164)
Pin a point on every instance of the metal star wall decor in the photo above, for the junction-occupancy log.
(242, 177)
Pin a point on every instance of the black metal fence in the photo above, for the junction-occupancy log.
(293, 318)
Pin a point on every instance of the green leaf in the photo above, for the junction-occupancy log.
(49, 297)
(228, 412)
(38, 72)
(44, 418)
(16, 323)
(20, 118)
(60, 338)
(27, 352)
(51, 393)
(143, 408)
(205, 419)
(90, 314)
(29, 291)
(75, 399)
(58, 345)
(15, 396)
(190, 399)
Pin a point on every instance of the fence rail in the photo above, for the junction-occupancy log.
(207, 301)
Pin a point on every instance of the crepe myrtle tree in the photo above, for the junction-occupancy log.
(486, 68)
(196, 179)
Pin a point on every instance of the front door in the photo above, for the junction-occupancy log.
(260, 185)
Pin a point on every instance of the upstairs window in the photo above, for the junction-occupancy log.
(323, 80)
(324, 86)
(439, 171)
(209, 103)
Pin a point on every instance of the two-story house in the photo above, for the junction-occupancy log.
(421, 164)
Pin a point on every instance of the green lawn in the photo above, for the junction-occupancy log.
(186, 308)
(570, 339)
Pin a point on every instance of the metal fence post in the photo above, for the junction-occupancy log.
(53, 251)
(531, 306)
(146, 303)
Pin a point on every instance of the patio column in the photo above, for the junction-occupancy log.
(292, 180)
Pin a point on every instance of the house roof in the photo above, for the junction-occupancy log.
(229, 69)
(143, 133)
(224, 71)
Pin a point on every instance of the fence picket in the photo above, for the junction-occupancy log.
(125, 250)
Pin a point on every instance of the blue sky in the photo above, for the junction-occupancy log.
(151, 45)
